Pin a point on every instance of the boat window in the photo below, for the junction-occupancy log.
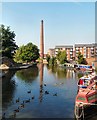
(92, 97)
(81, 98)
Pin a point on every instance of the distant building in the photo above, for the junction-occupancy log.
(51, 52)
(69, 51)
(89, 52)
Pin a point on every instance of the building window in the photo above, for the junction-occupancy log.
(85, 48)
(71, 52)
(92, 48)
(77, 48)
(71, 49)
(77, 51)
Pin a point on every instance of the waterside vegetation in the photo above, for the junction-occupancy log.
(12, 55)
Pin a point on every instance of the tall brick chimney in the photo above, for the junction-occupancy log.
(41, 40)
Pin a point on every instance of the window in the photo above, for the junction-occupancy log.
(71, 49)
(93, 97)
(81, 98)
(77, 48)
(92, 48)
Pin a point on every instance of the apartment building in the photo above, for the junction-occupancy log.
(69, 51)
(51, 52)
(89, 51)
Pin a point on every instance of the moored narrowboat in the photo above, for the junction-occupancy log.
(83, 67)
(86, 100)
(86, 80)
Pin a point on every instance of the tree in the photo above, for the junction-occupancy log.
(27, 53)
(81, 59)
(48, 58)
(62, 57)
(7, 41)
(53, 61)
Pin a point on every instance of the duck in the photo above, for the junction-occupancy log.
(44, 84)
(16, 110)
(46, 92)
(22, 105)
(55, 84)
(33, 97)
(61, 83)
(55, 94)
(26, 101)
(17, 100)
(29, 91)
(40, 91)
(40, 85)
(14, 115)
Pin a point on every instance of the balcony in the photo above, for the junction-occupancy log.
(92, 55)
(77, 48)
(77, 51)
(92, 48)
(71, 52)
(92, 52)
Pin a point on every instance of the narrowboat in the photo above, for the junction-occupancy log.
(86, 80)
(86, 101)
(83, 67)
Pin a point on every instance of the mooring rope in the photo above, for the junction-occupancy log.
(82, 110)
(78, 116)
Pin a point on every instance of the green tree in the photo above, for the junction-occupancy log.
(62, 57)
(7, 41)
(81, 59)
(58, 55)
(27, 53)
(53, 61)
(48, 58)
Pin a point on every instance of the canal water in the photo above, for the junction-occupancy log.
(60, 85)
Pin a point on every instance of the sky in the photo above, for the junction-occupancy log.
(65, 23)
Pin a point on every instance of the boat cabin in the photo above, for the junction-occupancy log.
(86, 80)
(88, 95)
(84, 67)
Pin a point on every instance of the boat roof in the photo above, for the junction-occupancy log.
(88, 77)
(87, 91)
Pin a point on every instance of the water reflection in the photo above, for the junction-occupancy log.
(8, 88)
(41, 66)
(39, 79)
(28, 75)
(61, 73)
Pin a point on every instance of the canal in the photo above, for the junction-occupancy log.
(47, 92)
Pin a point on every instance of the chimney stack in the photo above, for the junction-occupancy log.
(41, 40)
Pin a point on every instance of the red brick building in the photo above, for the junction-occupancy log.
(69, 51)
(89, 52)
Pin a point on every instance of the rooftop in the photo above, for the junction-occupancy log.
(86, 45)
(64, 46)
